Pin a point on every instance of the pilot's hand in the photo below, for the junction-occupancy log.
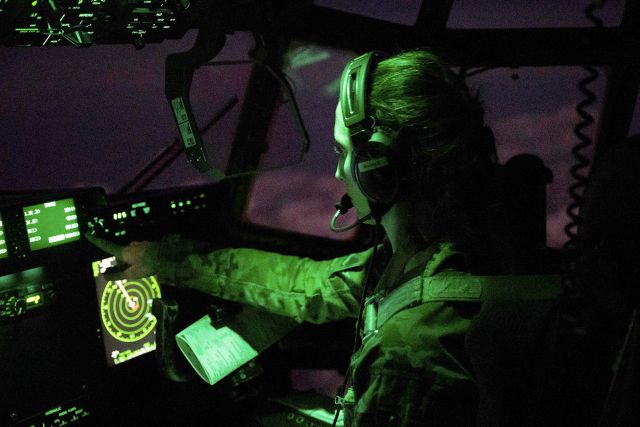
(132, 255)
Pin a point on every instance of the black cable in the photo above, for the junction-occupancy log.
(285, 82)
(356, 339)
(570, 325)
(571, 296)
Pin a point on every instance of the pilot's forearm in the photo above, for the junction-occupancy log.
(300, 288)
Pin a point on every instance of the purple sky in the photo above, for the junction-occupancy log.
(73, 117)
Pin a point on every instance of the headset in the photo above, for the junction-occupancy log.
(382, 166)
(378, 167)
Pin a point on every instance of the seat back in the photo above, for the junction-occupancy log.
(533, 370)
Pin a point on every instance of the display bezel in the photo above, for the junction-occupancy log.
(19, 253)
(33, 229)
(127, 332)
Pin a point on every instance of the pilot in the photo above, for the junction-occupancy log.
(417, 161)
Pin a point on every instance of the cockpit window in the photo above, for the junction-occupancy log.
(95, 117)
(533, 110)
(302, 198)
(398, 11)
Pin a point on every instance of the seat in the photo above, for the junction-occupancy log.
(532, 366)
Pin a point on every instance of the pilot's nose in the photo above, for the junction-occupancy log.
(338, 174)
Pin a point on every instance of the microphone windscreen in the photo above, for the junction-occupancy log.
(344, 204)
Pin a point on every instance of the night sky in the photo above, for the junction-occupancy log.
(93, 117)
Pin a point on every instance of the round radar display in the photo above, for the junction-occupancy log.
(125, 308)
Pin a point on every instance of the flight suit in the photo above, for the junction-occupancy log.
(412, 370)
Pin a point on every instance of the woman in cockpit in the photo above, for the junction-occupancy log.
(417, 161)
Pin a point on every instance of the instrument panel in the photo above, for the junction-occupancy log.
(81, 23)
(38, 232)
(72, 330)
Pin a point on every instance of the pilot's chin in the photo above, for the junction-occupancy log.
(368, 221)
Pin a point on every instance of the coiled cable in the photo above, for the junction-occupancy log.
(572, 295)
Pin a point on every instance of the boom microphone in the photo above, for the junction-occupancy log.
(342, 207)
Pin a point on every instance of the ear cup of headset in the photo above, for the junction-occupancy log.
(376, 172)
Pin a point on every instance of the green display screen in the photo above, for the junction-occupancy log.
(51, 224)
(128, 326)
(3, 242)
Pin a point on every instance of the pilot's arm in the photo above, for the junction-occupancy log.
(300, 288)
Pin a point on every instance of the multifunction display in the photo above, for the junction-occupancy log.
(51, 223)
(128, 326)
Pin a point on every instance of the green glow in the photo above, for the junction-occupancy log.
(51, 224)
(305, 56)
(3, 244)
(180, 204)
(138, 205)
(34, 299)
(146, 210)
(34, 3)
(95, 266)
(54, 410)
(125, 308)
(33, 274)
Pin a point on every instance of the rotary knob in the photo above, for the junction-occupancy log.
(18, 306)
(13, 306)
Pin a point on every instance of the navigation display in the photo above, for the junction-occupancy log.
(3, 242)
(51, 224)
(128, 327)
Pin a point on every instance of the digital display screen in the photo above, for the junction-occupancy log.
(128, 327)
(3, 243)
(51, 224)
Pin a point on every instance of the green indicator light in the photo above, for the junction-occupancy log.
(34, 3)
(3, 243)
(115, 216)
(34, 299)
(80, 2)
(180, 204)
(173, 205)
(146, 210)
(188, 202)
(54, 410)
(96, 268)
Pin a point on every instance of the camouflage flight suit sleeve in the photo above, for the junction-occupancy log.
(300, 288)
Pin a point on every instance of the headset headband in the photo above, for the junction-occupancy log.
(354, 92)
